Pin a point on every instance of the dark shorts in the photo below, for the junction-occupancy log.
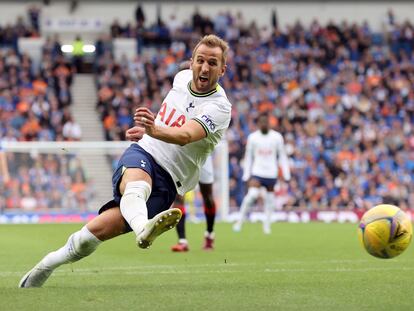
(268, 183)
(163, 189)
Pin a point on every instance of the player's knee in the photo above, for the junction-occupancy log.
(138, 188)
(253, 193)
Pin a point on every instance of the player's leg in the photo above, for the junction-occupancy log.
(137, 181)
(210, 213)
(269, 203)
(131, 187)
(182, 245)
(268, 208)
(135, 187)
(206, 188)
(251, 196)
(80, 244)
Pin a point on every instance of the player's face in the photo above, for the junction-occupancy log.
(263, 124)
(207, 68)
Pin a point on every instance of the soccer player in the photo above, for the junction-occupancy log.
(206, 189)
(164, 162)
(265, 149)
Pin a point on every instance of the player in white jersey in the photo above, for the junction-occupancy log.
(172, 147)
(265, 152)
(206, 188)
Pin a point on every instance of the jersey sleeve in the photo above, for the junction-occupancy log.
(214, 117)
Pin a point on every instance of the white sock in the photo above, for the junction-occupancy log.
(183, 241)
(133, 204)
(268, 208)
(79, 245)
(209, 235)
(251, 196)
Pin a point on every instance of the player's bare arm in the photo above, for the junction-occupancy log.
(190, 132)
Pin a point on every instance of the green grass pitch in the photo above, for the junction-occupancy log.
(298, 267)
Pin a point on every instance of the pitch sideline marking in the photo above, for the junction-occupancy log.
(115, 270)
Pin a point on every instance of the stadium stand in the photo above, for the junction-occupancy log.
(34, 106)
(340, 93)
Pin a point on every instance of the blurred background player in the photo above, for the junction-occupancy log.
(265, 151)
(206, 189)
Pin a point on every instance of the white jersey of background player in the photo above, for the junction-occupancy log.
(183, 104)
(265, 152)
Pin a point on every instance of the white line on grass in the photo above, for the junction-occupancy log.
(175, 270)
(341, 269)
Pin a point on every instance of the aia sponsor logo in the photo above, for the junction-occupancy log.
(170, 116)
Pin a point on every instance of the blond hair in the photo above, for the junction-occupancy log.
(214, 41)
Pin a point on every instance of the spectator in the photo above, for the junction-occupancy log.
(71, 130)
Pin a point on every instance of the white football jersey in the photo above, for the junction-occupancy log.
(212, 110)
(264, 152)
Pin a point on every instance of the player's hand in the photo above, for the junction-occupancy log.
(135, 133)
(143, 117)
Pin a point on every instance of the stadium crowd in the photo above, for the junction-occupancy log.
(35, 106)
(341, 94)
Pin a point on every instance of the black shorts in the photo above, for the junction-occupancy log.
(163, 190)
(268, 183)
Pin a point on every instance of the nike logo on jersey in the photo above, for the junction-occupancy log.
(189, 106)
(170, 116)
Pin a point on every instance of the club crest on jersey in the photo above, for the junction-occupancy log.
(207, 120)
(191, 105)
(171, 117)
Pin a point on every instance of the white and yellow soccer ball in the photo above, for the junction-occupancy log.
(385, 231)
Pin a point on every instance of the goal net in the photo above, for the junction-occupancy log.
(70, 181)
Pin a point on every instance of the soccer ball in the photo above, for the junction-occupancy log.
(385, 231)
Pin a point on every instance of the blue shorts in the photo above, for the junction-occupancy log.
(268, 183)
(163, 189)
